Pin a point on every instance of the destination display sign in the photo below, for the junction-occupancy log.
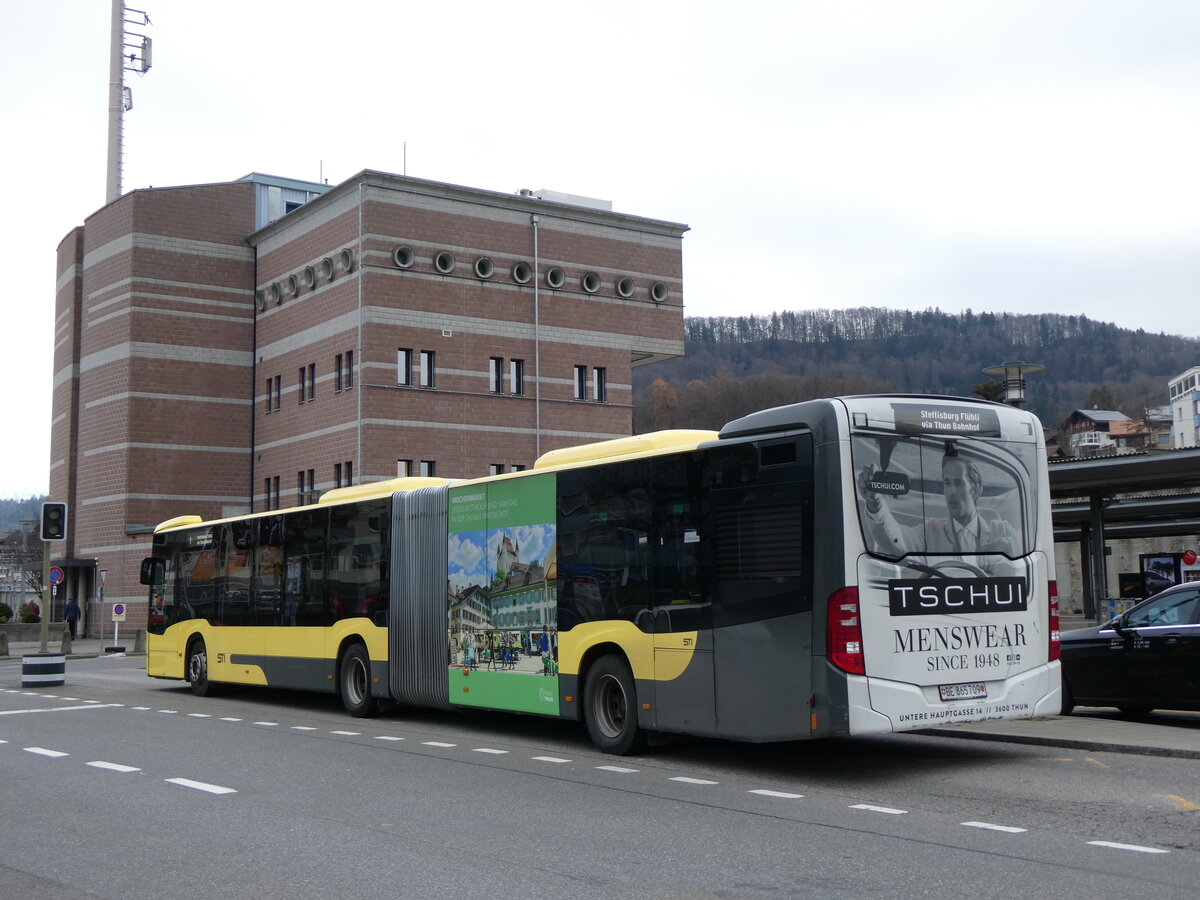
(940, 596)
(960, 421)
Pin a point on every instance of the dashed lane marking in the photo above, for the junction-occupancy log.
(113, 767)
(303, 728)
(1134, 847)
(201, 786)
(387, 737)
(347, 733)
(686, 780)
(230, 719)
(489, 750)
(621, 769)
(880, 809)
(438, 744)
(551, 759)
(783, 795)
(42, 751)
(268, 724)
(1007, 829)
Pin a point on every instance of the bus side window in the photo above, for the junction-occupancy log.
(681, 597)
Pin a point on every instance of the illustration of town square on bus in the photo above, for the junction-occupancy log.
(502, 600)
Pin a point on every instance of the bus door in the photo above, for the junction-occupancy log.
(681, 605)
(762, 598)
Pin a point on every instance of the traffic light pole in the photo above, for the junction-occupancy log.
(46, 607)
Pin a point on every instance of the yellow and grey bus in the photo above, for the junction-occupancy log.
(846, 566)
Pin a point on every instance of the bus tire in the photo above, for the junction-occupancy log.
(1068, 698)
(354, 681)
(196, 671)
(610, 707)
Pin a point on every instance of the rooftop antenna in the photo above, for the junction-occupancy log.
(129, 51)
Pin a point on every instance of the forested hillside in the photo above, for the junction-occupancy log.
(735, 364)
(14, 512)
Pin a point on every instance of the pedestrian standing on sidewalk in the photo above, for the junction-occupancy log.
(71, 615)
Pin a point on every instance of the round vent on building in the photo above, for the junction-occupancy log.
(625, 286)
(293, 284)
(658, 292)
(522, 272)
(484, 267)
(444, 262)
(310, 277)
(347, 260)
(556, 277)
(260, 300)
(590, 282)
(404, 257)
(327, 269)
(276, 293)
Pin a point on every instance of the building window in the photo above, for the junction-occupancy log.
(428, 366)
(267, 492)
(272, 493)
(404, 366)
(306, 487)
(580, 383)
(428, 468)
(496, 374)
(302, 381)
(337, 372)
(337, 475)
(403, 468)
(349, 369)
(348, 471)
(278, 391)
(516, 376)
(599, 384)
(269, 395)
(517, 467)
(495, 468)
(312, 380)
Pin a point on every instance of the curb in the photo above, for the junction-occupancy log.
(1071, 743)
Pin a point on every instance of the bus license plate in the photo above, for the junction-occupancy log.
(976, 690)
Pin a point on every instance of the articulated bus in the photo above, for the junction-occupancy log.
(847, 566)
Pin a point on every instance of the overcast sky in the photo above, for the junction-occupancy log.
(1006, 156)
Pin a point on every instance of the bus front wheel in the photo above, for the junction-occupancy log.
(610, 705)
(354, 681)
(197, 668)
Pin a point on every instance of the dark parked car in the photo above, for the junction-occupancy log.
(1147, 658)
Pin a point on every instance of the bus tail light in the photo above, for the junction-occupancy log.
(843, 631)
(1055, 633)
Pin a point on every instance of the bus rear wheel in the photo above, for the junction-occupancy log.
(354, 681)
(610, 707)
(197, 668)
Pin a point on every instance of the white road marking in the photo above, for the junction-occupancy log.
(303, 728)
(880, 809)
(201, 786)
(169, 712)
(781, 794)
(266, 723)
(1134, 847)
(551, 759)
(42, 751)
(387, 737)
(17, 712)
(200, 715)
(113, 767)
(621, 769)
(141, 708)
(687, 780)
(437, 744)
(489, 750)
(230, 719)
(1007, 829)
(347, 733)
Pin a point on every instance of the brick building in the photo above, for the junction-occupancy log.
(247, 345)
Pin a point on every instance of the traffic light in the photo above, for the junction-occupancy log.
(54, 521)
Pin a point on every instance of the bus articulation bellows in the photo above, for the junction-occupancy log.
(846, 566)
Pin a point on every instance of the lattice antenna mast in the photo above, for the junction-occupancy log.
(129, 51)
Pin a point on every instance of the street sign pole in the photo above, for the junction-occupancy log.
(45, 619)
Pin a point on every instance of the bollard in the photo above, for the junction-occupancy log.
(43, 669)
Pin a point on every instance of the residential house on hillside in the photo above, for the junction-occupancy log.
(1089, 431)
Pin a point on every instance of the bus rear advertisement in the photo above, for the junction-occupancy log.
(846, 566)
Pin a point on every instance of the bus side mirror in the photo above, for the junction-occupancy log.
(152, 571)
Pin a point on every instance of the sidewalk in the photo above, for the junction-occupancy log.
(81, 648)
